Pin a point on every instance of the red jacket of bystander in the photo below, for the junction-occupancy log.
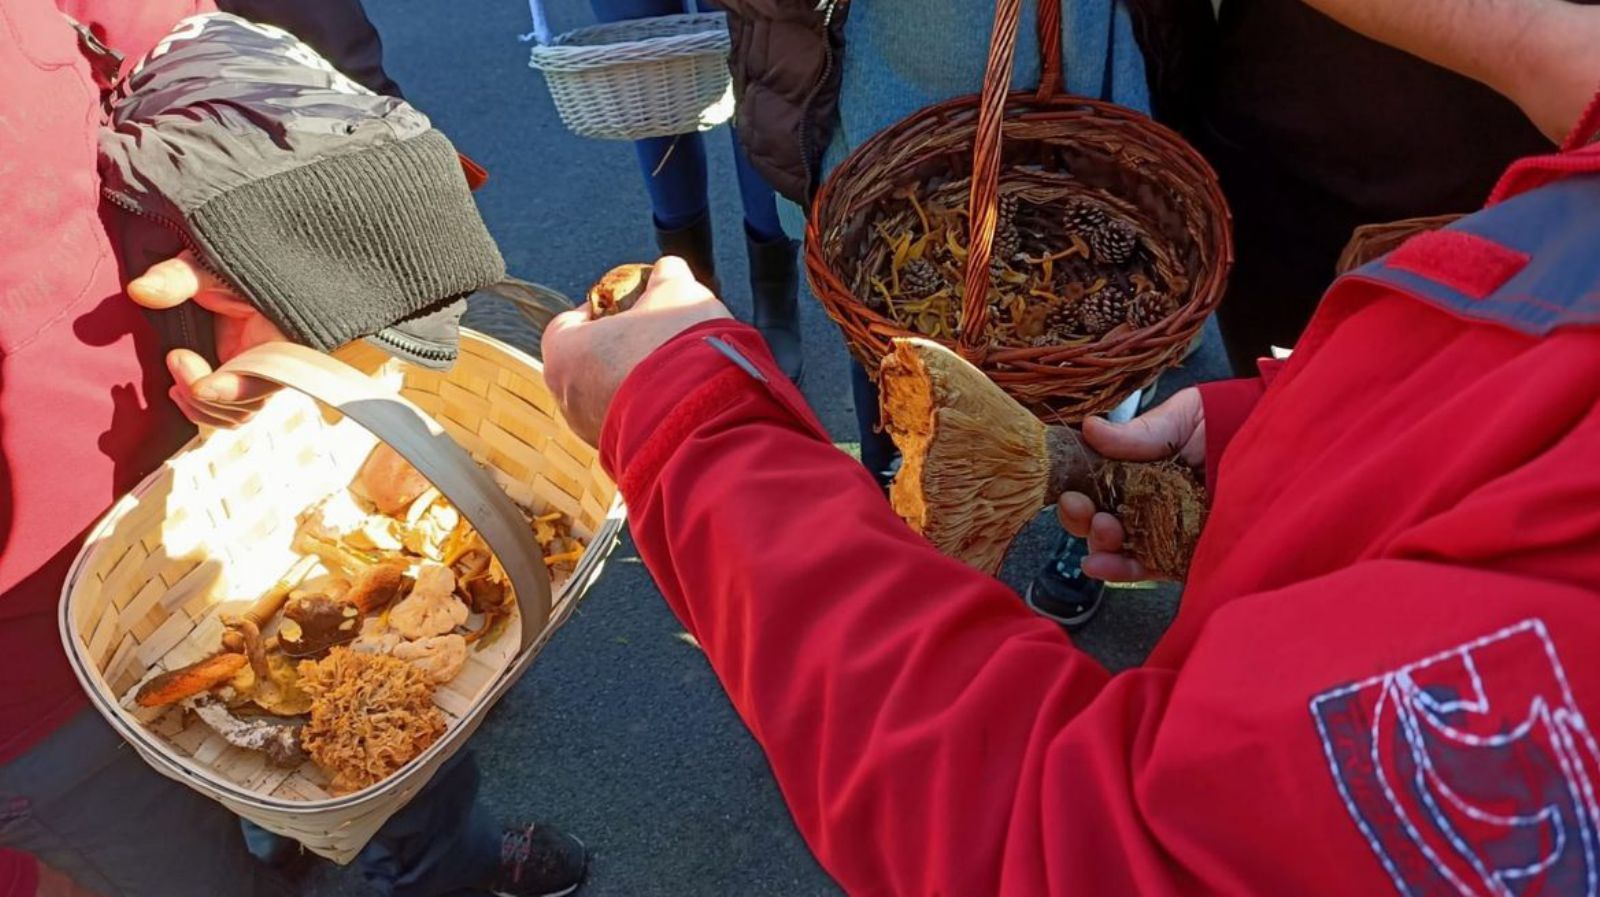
(83, 407)
(1378, 681)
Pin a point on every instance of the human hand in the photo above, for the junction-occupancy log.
(586, 359)
(1551, 68)
(1175, 428)
(206, 397)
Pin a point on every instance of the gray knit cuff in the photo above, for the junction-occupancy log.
(347, 246)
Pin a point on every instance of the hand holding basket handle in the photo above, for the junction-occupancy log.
(206, 397)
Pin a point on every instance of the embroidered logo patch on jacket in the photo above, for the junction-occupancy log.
(1471, 771)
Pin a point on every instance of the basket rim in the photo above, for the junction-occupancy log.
(704, 34)
(157, 752)
(840, 302)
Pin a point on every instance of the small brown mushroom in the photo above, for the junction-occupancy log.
(388, 481)
(312, 624)
(376, 587)
(618, 289)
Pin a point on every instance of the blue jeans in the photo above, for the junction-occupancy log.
(674, 168)
(84, 802)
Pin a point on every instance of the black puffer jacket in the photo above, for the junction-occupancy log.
(787, 59)
(339, 213)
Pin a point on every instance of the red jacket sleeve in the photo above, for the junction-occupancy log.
(932, 736)
(1227, 403)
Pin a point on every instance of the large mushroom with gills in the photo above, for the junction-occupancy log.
(977, 467)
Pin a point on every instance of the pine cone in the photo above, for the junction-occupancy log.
(1008, 205)
(1007, 239)
(1065, 317)
(1114, 242)
(1150, 308)
(1084, 218)
(919, 279)
(1110, 238)
(1104, 310)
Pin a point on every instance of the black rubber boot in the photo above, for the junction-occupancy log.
(774, 299)
(694, 245)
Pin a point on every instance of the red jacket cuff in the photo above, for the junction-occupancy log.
(681, 385)
(1226, 404)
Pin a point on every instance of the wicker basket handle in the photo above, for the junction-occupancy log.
(420, 440)
(982, 201)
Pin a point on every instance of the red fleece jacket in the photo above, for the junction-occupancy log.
(83, 408)
(1378, 675)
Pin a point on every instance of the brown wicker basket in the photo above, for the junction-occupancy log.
(1372, 240)
(1048, 148)
(212, 528)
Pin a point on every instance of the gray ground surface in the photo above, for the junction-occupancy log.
(620, 732)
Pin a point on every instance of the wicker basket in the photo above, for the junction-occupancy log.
(1049, 149)
(213, 527)
(651, 77)
(1372, 240)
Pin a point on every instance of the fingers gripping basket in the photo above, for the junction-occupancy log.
(212, 529)
(650, 77)
(1049, 150)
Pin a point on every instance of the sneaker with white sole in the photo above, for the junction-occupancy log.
(540, 861)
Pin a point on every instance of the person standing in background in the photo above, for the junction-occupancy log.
(337, 29)
(816, 80)
(674, 170)
(85, 390)
(1317, 125)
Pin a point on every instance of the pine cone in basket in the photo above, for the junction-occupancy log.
(1065, 316)
(1111, 239)
(1105, 309)
(1007, 239)
(919, 279)
(1150, 308)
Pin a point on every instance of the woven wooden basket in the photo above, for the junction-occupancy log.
(1372, 240)
(211, 530)
(1048, 148)
(651, 77)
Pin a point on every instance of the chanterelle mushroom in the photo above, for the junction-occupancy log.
(432, 607)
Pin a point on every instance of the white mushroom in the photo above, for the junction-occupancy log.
(441, 657)
(432, 607)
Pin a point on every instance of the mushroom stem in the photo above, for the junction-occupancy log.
(977, 467)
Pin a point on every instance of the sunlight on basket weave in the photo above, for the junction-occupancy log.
(215, 523)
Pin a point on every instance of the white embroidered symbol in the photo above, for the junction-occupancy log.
(1472, 771)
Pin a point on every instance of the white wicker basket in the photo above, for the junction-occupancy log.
(212, 528)
(652, 77)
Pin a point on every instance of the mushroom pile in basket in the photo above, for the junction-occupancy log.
(339, 661)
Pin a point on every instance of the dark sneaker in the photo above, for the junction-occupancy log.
(1061, 592)
(540, 861)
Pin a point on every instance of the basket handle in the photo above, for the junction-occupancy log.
(982, 201)
(420, 440)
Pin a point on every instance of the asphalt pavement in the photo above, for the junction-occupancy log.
(620, 733)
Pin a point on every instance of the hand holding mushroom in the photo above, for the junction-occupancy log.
(1177, 423)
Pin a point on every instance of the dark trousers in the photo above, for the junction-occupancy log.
(85, 803)
(674, 168)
